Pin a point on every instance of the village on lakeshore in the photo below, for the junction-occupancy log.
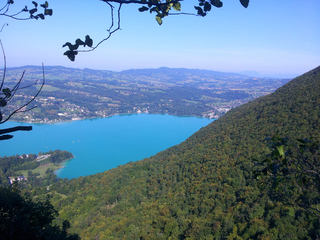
(98, 94)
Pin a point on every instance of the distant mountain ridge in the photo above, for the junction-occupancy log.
(164, 71)
(176, 72)
(259, 75)
(150, 72)
(203, 187)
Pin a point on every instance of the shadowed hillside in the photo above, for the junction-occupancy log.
(202, 188)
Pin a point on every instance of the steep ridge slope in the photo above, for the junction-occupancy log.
(202, 188)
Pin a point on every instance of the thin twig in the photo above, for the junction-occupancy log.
(112, 17)
(5, 24)
(4, 64)
(109, 31)
(141, 2)
(4, 6)
(20, 109)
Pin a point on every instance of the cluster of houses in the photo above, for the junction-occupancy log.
(23, 178)
(20, 178)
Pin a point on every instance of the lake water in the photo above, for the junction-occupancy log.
(102, 144)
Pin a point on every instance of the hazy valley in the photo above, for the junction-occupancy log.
(72, 94)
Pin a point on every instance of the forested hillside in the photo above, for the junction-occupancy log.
(202, 188)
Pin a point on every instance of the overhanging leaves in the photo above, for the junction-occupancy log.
(199, 11)
(79, 42)
(71, 55)
(216, 3)
(159, 20)
(48, 12)
(39, 16)
(244, 3)
(207, 7)
(88, 41)
(3, 102)
(143, 9)
(177, 6)
(45, 5)
(160, 8)
(35, 4)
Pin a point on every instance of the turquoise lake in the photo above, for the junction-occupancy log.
(104, 143)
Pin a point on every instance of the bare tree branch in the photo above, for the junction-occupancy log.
(4, 11)
(21, 108)
(110, 31)
(159, 7)
(4, 65)
(6, 137)
(8, 94)
(14, 129)
(142, 2)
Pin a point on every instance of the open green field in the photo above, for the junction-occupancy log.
(48, 88)
(41, 169)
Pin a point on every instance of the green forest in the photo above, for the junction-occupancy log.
(203, 188)
(253, 173)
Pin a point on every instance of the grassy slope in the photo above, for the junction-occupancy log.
(201, 188)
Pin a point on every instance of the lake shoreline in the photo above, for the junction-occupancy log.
(117, 114)
(62, 165)
(100, 144)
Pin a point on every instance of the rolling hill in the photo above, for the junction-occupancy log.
(71, 93)
(203, 187)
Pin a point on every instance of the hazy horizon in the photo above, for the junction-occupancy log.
(269, 37)
(246, 73)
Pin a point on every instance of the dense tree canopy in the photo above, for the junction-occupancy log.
(291, 172)
(204, 187)
(23, 218)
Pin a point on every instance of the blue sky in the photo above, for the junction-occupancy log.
(270, 37)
